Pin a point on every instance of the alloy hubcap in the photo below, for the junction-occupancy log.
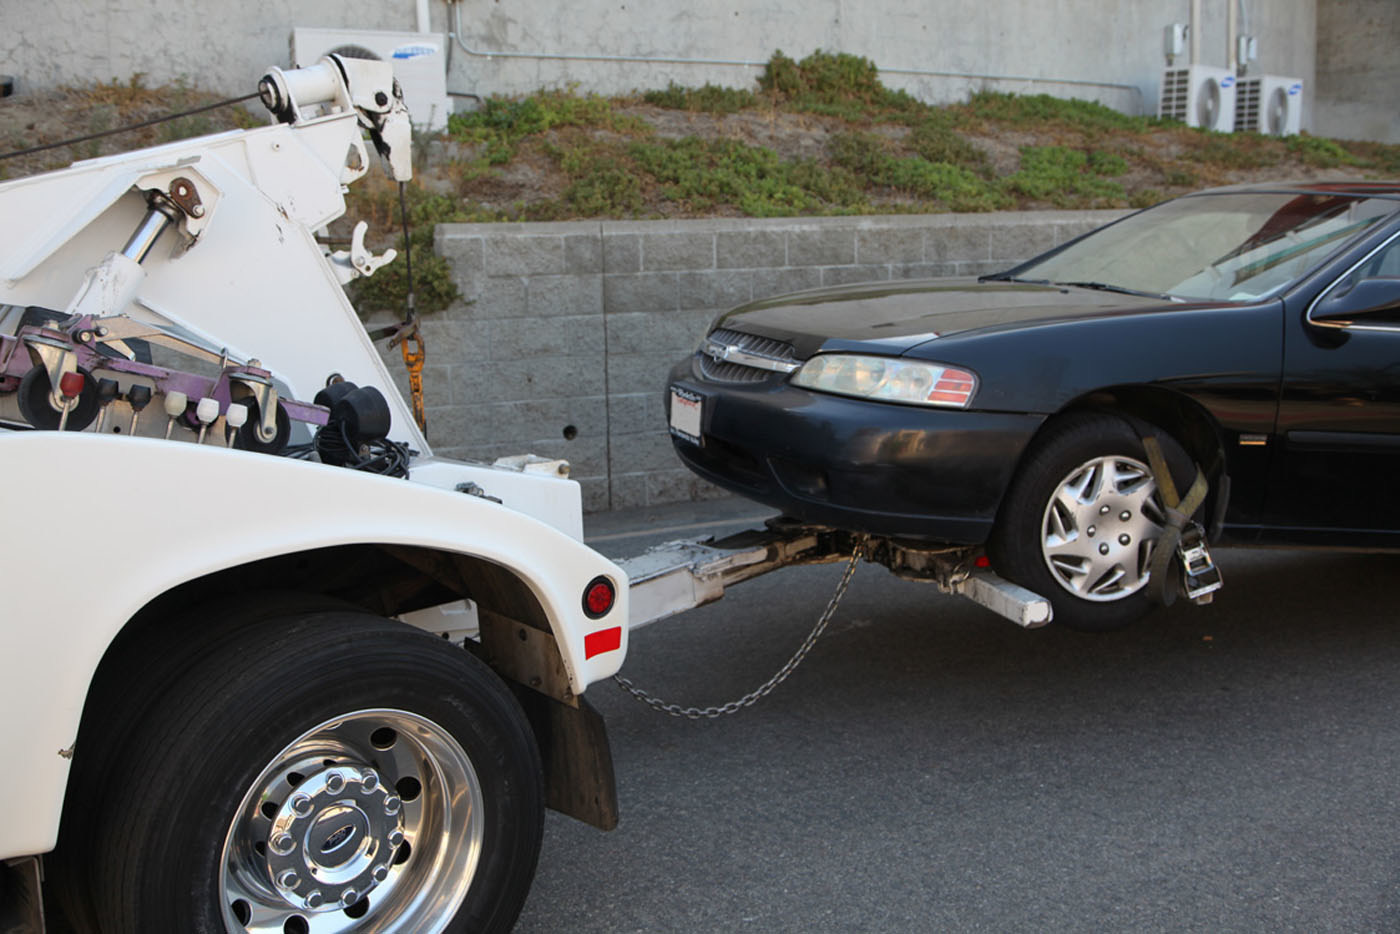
(333, 841)
(1100, 526)
(371, 821)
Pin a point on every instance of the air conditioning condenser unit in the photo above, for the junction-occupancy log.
(419, 60)
(1200, 96)
(1269, 104)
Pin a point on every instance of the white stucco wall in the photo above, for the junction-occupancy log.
(1358, 69)
(224, 45)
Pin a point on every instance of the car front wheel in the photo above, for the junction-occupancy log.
(1082, 518)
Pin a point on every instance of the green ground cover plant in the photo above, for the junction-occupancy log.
(866, 148)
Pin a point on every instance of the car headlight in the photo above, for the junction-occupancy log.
(888, 379)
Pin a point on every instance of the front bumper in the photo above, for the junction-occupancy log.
(887, 469)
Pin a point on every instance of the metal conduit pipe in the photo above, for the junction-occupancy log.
(456, 35)
(1232, 29)
(1195, 32)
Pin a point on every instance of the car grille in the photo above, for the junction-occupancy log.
(727, 371)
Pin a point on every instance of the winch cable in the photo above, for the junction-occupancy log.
(407, 332)
(763, 690)
(127, 129)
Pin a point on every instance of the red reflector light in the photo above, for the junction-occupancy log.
(605, 640)
(71, 384)
(983, 561)
(598, 597)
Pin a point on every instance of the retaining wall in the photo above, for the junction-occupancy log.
(564, 335)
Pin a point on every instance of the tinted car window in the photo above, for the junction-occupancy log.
(1385, 263)
(1228, 247)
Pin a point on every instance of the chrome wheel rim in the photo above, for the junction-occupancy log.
(1100, 526)
(371, 821)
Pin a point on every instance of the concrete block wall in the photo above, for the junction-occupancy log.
(564, 335)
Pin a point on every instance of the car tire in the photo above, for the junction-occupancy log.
(1081, 517)
(328, 770)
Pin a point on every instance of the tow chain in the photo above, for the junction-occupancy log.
(762, 691)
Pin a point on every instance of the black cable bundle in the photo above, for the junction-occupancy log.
(356, 434)
(382, 456)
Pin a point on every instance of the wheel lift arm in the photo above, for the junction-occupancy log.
(679, 576)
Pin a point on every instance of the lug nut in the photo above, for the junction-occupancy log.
(1124, 540)
(1125, 515)
(288, 879)
(301, 805)
(395, 838)
(380, 873)
(282, 844)
(335, 782)
(391, 805)
(1091, 530)
(1103, 510)
(314, 899)
(368, 782)
(1103, 549)
(348, 898)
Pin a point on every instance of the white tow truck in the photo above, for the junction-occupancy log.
(267, 664)
(229, 701)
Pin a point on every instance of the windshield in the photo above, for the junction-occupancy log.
(1232, 247)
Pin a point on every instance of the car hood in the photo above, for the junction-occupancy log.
(894, 317)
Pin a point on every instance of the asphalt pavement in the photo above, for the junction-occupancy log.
(931, 767)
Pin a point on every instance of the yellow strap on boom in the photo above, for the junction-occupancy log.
(413, 359)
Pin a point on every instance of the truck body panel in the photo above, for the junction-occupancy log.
(168, 513)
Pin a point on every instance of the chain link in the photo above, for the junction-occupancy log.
(762, 691)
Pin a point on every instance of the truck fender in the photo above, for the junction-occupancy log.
(103, 525)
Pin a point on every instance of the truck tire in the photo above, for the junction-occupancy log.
(126, 692)
(331, 771)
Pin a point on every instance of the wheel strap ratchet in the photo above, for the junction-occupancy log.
(1182, 537)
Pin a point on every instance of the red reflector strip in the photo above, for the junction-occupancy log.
(604, 640)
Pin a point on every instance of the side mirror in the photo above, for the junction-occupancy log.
(1368, 301)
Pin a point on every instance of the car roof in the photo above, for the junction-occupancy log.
(1348, 188)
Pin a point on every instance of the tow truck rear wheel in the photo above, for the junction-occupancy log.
(331, 772)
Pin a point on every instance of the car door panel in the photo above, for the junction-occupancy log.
(1339, 414)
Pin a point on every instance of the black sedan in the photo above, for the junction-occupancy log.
(1254, 332)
